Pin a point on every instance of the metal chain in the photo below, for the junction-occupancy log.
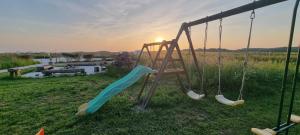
(252, 17)
(219, 56)
(204, 56)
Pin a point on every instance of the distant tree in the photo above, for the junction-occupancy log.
(124, 60)
(24, 56)
(76, 56)
(68, 56)
(88, 57)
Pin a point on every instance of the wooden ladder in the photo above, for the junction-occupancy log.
(162, 69)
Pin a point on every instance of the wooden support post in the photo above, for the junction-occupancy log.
(11, 74)
(18, 72)
(14, 72)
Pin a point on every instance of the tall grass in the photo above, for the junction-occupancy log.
(10, 60)
(262, 66)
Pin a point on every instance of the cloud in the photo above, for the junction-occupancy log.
(110, 22)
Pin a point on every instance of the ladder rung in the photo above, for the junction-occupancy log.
(172, 71)
(160, 59)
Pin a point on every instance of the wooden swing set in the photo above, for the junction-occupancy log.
(166, 66)
(165, 63)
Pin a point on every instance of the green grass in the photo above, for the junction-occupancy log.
(26, 105)
(9, 61)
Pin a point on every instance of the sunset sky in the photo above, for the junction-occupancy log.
(124, 25)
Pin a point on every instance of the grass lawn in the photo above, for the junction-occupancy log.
(26, 105)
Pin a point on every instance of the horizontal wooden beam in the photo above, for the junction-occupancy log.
(234, 11)
(157, 43)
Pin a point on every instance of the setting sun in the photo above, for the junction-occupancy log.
(159, 39)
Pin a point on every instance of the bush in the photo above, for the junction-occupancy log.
(10, 61)
(124, 60)
(114, 71)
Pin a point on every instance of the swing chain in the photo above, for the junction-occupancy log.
(219, 56)
(252, 17)
(204, 56)
(205, 38)
(220, 40)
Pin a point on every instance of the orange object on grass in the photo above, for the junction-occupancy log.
(41, 132)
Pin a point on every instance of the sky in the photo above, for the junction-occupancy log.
(125, 25)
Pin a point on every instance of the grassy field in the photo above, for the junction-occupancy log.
(11, 60)
(26, 105)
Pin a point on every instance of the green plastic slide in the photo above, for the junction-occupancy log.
(113, 89)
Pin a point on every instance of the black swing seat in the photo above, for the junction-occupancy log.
(267, 131)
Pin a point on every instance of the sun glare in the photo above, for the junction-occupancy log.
(159, 39)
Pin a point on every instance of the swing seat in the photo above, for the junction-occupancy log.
(194, 95)
(295, 119)
(221, 99)
(266, 131)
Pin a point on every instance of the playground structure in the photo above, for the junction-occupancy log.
(166, 65)
(14, 72)
(185, 27)
(171, 46)
(166, 62)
